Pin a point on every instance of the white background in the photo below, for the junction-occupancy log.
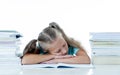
(76, 17)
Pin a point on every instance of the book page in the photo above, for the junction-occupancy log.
(59, 65)
(40, 66)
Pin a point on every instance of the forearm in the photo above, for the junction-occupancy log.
(75, 60)
(35, 58)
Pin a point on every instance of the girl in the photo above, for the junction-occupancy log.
(53, 46)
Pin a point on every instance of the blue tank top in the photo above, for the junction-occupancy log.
(72, 50)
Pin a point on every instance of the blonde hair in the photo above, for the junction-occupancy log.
(69, 40)
(47, 36)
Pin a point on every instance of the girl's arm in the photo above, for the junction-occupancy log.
(35, 58)
(80, 58)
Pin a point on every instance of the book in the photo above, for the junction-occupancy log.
(105, 60)
(104, 36)
(105, 42)
(59, 65)
(10, 34)
(107, 46)
(106, 52)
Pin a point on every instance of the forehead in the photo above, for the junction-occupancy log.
(57, 43)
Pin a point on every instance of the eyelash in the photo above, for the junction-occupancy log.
(64, 45)
(59, 49)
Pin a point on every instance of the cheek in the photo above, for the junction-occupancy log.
(66, 48)
(52, 52)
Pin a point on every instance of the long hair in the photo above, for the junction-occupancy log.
(69, 40)
(31, 48)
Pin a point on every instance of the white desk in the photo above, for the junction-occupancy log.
(15, 69)
(98, 70)
(12, 66)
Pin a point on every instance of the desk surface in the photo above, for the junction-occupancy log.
(11, 66)
(16, 69)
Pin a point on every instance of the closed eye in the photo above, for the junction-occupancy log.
(64, 45)
(58, 51)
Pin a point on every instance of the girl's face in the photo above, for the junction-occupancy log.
(58, 47)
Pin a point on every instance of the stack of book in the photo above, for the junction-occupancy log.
(10, 42)
(105, 47)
